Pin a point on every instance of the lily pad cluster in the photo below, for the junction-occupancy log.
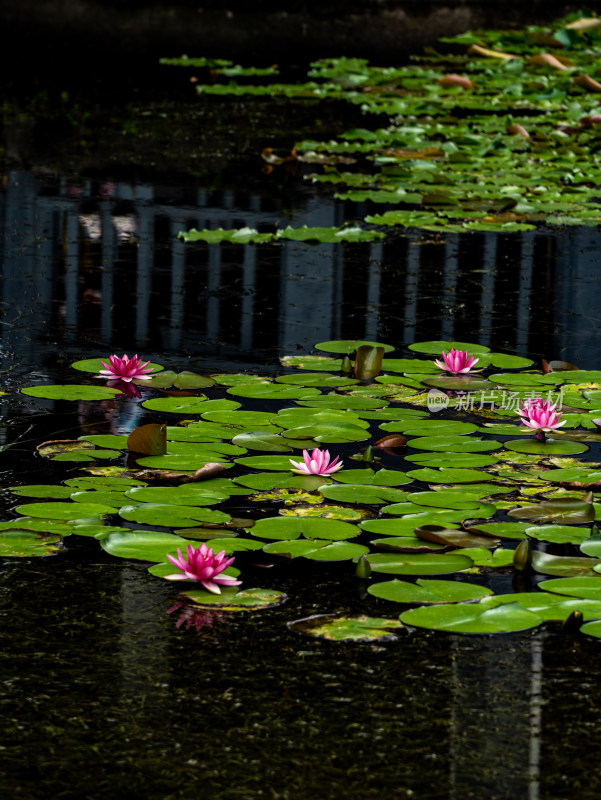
(489, 131)
(439, 479)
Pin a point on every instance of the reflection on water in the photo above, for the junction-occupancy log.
(103, 262)
(100, 667)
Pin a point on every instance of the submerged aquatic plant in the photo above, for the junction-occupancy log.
(540, 415)
(316, 463)
(201, 564)
(125, 369)
(459, 362)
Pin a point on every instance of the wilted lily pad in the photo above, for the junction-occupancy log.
(338, 628)
(27, 544)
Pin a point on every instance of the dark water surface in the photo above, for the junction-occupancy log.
(102, 695)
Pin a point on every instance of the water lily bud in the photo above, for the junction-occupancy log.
(347, 365)
(573, 623)
(368, 454)
(522, 555)
(363, 569)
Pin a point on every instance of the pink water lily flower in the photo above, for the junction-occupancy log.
(459, 362)
(317, 463)
(125, 369)
(540, 415)
(201, 564)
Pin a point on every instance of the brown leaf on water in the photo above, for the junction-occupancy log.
(150, 440)
(392, 441)
(584, 24)
(588, 83)
(456, 80)
(518, 130)
(590, 120)
(549, 60)
(426, 152)
(476, 50)
(209, 471)
(270, 156)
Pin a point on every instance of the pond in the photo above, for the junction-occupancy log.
(116, 684)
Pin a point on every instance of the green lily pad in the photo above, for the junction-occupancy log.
(418, 564)
(591, 545)
(186, 494)
(472, 618)
(71, 392)
(551, 447)
(64, 511)
(179, 405)
(94, 365)
(565, 566)
(144, 545)
(309, 527)
(448, 475)
(356, 493)
(43, 490)
(367, 477)
(454, 444)
(427, 591)
(276, 463)
(580, 586)
(436, 348)
(171, 516)
(560, 534)
(349, 346)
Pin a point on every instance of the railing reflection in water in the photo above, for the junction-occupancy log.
(104, 260)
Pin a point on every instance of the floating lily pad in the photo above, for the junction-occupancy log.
(178, 405)
(71, 392)
(581, 586)
(454, 444)
(448, 475)
(171, 516)
(43, 490)
(27, 544)
(230, 600)
(418, 564)
(565, 566)
(64, 511)
(187, 494)
(427, 591)
(356, 493)
(338, 628)
(94, 365)
(569, 511)
(436, 347)
(367, 477)
(144, 545)
(309, 527)
(472, 618)
(349, 346)
(560, 534)
(551, 447)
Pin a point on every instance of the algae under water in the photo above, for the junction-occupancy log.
(109, 688)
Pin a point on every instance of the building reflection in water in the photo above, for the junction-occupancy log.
(103, 261)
